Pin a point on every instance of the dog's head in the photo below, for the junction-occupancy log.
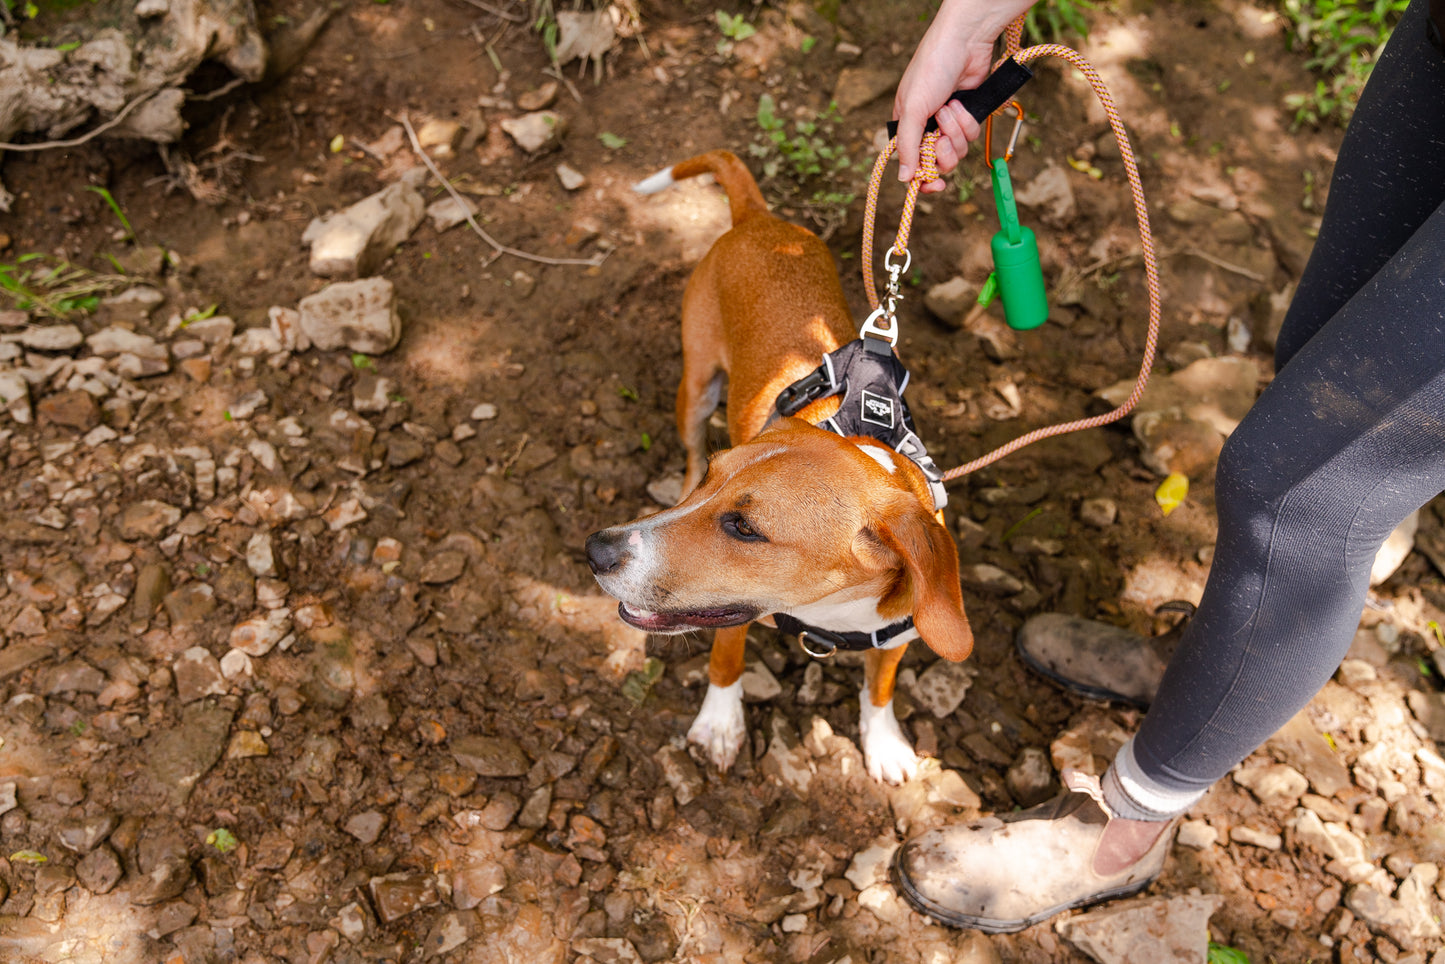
(797, 520)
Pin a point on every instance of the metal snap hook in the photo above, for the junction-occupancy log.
(1013, 140)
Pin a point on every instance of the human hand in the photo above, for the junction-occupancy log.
(956, 53)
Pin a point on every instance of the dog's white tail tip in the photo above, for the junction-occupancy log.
(657, 182)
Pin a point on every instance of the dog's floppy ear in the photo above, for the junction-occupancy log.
(931, 561)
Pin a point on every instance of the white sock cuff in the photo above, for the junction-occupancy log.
(1134, 796)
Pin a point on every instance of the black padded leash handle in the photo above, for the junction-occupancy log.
(997, 89)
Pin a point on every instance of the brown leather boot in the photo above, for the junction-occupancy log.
(1002, 874)
(1097, 660)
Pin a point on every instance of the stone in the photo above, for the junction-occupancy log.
(286, 325)
(951, 300)
(198, 674)
(261, 555)
(1030, 779)
(397, 895)
(366, 827)
(1386, 916)
(100, 870)
(446, 213)
(758, 682)
(484, 412)
(473, 884)
(438, 137)
(539, 98)
(1263, 839)
(404, 450)
(1301, 745)
(1398, 544)
(258, 635)
(358, 315)
(115, 341)
(147, 519)
(941, 688)
(535, 132)
(1155, 929)
(1275, 785)
(246, 744)
(15, 396)
(666, 491)
(679, 773)
(81, 835)
(1049, 194)
(52, 338)
(354, 242)
(499, 812)
(858, 86)
(1196, 835)
(442, 568)
(869, 866)
(570, 178)
(350, 922)
(190, 603)
(491, 756)
(257, 341)
(985, 578)
(76, 410)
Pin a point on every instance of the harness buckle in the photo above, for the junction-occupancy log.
(805, 637)
(888, 331)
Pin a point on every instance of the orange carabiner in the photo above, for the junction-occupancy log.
(1013, 140)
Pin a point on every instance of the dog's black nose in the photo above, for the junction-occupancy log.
(606, 550)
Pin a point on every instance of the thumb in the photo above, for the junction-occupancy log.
(910, 135)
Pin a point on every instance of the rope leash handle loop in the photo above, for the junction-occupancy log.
(928, 170)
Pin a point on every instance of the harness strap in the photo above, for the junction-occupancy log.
(822, 643)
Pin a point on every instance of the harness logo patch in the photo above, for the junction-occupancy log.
(877, 410)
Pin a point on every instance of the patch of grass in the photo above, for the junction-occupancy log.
(1053, 21)
(1224, 954)
(115, 207)
(1344, 39)
(804, 163)
(54, 288)
(735, 29)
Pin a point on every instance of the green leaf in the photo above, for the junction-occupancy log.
(1224, 954)
(808, 44)
(611, 141)
(28, 857)
(223, 840)
(362, 362)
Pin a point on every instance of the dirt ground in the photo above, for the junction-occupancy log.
(446, 757)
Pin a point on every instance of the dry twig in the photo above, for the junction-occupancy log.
(496, 245)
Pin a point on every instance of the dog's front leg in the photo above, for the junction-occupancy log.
(886, 750)
(719, 728)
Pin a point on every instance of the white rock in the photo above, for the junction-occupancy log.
(1048, 192)
(1154, 929)
(260, 556)
(571, 178)
(52, 338)
(759, 684)
(15, 396)
(869, 866)
(259, 635)
(484, 412)
(950, 300)
(1197, 835)
(354, 242)
(1396, 547)
(235, 664)
(667, 490)
(115, 340)
(286, 325)
(942, 687)
(448, 212)
(536, 131)
(257, 341)
(359, 315)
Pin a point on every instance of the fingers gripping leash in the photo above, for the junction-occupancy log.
(1005, 81)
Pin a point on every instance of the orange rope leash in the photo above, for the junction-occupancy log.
(928, 170)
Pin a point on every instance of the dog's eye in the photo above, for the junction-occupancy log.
(739, 528)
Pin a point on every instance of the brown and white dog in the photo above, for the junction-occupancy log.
(837, 532)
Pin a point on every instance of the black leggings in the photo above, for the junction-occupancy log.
(1346, 442)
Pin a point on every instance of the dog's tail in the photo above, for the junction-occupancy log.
(743, 194)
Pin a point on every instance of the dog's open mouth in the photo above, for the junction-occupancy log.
(682, 621)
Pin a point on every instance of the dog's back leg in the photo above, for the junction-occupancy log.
(703, 368)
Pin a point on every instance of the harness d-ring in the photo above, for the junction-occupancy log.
(1013, 140)
(804, 638)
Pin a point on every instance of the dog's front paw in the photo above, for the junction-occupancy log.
(720, 729)
(886, 751)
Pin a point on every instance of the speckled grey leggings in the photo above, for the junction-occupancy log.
(1346, 442)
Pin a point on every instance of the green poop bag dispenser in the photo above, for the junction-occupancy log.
(1016, 259)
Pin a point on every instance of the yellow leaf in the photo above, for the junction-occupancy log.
(337, 143)
(1171, 492)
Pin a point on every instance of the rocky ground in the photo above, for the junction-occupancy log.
(300, 658)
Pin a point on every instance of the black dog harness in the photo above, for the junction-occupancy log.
(871, 380)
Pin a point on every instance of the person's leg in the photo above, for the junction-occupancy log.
(1347, 441)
